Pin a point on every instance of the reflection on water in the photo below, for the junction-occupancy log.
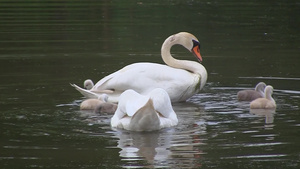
(153, 146)
(267, 113)
(160, 148)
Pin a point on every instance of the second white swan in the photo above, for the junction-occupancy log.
(138, 112)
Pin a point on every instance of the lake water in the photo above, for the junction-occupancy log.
(45, 45)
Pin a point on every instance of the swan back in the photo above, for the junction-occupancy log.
(145, 119)
(149, 112)
(162, 104)
(129, 103)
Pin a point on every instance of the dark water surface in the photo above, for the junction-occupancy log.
(45, 45)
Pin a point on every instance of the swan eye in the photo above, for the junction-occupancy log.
(196, 43)
(196, 50)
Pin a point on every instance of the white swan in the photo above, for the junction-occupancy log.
(180, 78)
(264, 103)
(138, 112)
(249, 95)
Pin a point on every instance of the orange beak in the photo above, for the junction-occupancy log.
(196, 52)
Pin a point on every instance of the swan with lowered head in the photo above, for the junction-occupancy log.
(138, 112)
(180, 78)
(249, 95)
(264, 103)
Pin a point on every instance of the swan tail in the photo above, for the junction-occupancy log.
(86, 93)
(145, 119)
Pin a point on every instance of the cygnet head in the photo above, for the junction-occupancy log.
(268, 92)
(260, 87)
(88, 84)
(187, 40)
(103, 97)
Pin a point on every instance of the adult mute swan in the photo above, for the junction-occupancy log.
(138, 112)
(249, 95)
(264, 103)
(180, 78)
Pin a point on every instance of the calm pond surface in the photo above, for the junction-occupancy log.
(45, 45)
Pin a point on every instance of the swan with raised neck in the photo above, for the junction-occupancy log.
(191, 43)
(180, 78)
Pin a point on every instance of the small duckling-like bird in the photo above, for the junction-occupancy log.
(90, 104)
(98, 106)
(88, 84)
(106, 108)
(264, 103)
(150, 112)
(249, 95)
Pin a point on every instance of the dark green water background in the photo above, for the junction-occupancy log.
(45, 45)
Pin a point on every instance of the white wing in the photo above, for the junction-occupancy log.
(86, 93)
(144, 77)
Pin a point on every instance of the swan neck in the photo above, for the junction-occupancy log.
(268, 95)
(191, 66)
(166, 54)
(175, 63)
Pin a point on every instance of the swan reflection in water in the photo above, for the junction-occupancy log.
(150, 145)
(159, 148)
(179, 146)
(268, 113)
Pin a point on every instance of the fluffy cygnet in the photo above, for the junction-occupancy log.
(90, 104)
(98, 106)
(264, 103)
(249, 95)
(88, 84)
(106, 108)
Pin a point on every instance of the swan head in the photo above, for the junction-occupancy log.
(103, 97)
(268, 92)
(88, 84)
(187, 40)
(260, 87)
